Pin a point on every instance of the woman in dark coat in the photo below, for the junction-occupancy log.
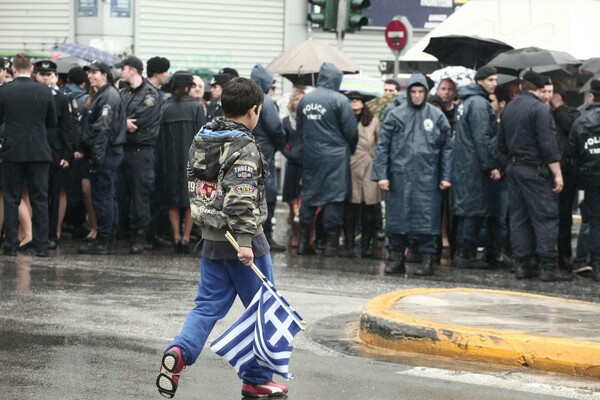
(182, 118)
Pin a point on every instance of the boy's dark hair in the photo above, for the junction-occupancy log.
(21, 62)
(392, 82)
(240, 95)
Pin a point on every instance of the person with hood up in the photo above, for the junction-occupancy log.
(475, 163)
(269, 136)
(329, 137)
(413, 165)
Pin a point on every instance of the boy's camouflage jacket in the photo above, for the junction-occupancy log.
(226, 182)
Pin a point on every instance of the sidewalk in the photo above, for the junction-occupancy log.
(493, 326)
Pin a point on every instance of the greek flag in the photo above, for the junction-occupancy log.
(262, 335)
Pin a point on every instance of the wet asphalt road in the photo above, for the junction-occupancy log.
(83, 327)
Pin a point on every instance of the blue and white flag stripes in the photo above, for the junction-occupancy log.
(262, 335)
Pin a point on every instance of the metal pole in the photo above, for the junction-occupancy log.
(341, 23)
(396, 63)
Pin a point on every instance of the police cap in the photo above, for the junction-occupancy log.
(131, 61)
(44, 66)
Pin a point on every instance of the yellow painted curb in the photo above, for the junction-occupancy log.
(382, 326)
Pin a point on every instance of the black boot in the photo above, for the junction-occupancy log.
(138, 242)
(426, 265)
(348, 249)
(276, 247)
(333, 242)
(547, 268)
(522, 269)
(397, 264)
(596, 269)
(100, 245)
(304, 246)
(366, 242)
(564, 272)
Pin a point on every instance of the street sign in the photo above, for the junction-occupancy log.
(396, 35)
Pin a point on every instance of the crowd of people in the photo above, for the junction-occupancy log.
(445, 172)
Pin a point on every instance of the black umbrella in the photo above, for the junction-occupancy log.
(528, 57)
(587, 85)
(592, 65)
(467, 51)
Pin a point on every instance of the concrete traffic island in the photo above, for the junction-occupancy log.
(511, 328)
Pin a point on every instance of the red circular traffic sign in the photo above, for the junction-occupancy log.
(396, 35)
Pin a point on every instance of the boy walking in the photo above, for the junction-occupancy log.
(226, 174)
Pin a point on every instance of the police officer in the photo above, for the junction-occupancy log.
(62, 140)
(214, 108)
(142, 107)
(475, 162)
(584, 143)
(157, 71)
(27, 109)
(103, 136)
(534, 178)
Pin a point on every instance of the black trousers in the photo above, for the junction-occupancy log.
(138, 185)
(533, 213)
(55, 185)
(14, 177)
(565, 213)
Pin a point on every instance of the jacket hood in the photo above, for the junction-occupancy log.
(223, 128)
(416, 79)
(330, 77)
(472, 89)
(262, 77)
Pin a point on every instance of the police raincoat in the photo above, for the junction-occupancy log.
(414, 153)
(475, 151)
(329, 135)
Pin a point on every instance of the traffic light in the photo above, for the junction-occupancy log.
(326, 17)
(355, 20)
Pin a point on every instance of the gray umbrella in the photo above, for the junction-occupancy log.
(301, 63)
(528, 57)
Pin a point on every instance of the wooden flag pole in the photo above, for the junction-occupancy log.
(269, 285)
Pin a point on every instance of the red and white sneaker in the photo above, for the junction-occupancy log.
(170, 368)
(269, 389)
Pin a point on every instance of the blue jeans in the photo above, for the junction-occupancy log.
(220, 282)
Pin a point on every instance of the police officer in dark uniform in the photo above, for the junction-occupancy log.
(62, 140)
(27, 109)
(103, 135)
(214, 108)
(527, 138)
(584, 144)
(142, 107)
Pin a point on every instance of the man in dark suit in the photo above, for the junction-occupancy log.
(62, 140)
(27, 109)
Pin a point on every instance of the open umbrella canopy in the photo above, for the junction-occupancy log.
(528, 57)
(87, 53)
(366, 85)
(461, 76)
(592, 65)
(587, 85)
(466, 51)
(301, 63)
(64, 63)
